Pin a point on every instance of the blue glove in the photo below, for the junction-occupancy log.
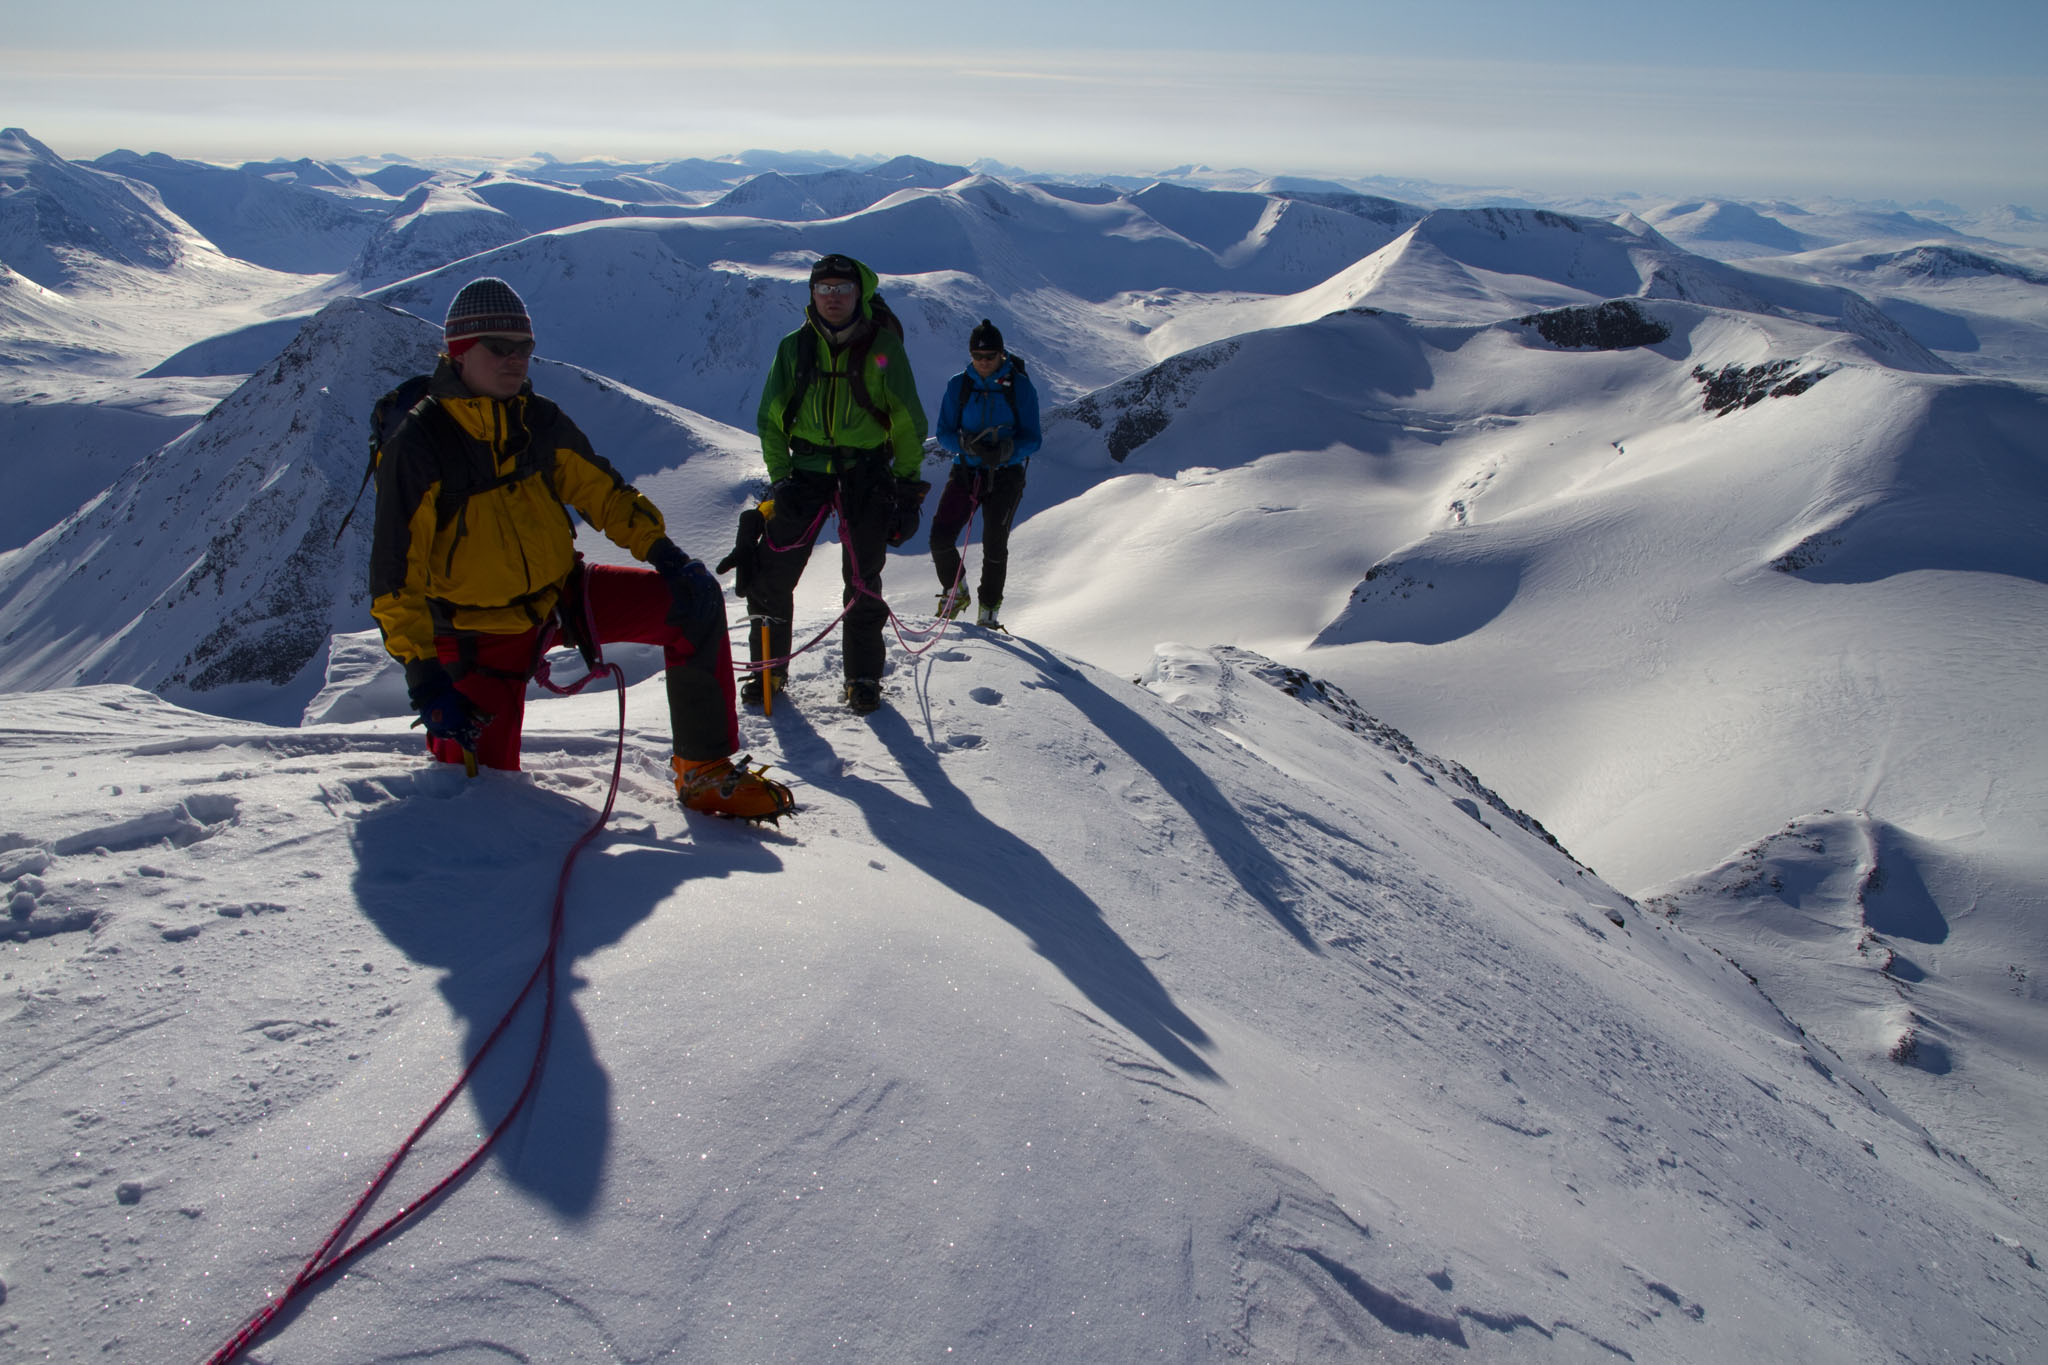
(445, 712)
(697, 603)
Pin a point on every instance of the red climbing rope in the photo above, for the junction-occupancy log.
(321, 1264)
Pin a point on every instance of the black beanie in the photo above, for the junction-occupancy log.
(836, 267)
(486, 307)
(987, 337)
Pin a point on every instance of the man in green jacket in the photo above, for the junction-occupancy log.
(841, 429)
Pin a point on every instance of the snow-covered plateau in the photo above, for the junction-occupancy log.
(1506, 823)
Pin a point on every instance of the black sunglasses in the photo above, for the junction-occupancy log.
(505, 349)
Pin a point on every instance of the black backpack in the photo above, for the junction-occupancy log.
(856, 358)
(392, 409)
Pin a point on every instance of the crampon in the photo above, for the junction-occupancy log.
(736, 788)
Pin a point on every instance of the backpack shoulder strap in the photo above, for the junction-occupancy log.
(804, 370)
(385, 419)
(856, 376)
(475, 471)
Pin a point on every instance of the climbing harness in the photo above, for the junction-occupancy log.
(904, 633)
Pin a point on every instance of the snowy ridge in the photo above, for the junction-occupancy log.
(233, 582)
(59, 222)
(1387, 1086)
(434, 224)
(271, 220)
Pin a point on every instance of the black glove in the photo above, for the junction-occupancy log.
(745, 558)
(909, 508)
(445, 712)
(992, 448)
(697, 603)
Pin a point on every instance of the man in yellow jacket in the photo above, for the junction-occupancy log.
(474, 571)
(841, 429)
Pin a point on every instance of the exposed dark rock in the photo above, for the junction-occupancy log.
(1733, 387)
(1615, 325)
(1141, 407)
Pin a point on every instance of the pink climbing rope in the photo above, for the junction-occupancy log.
(321, 1263)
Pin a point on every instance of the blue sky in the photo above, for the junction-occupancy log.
(1876, 100)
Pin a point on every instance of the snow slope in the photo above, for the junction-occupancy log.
(1069, 1020)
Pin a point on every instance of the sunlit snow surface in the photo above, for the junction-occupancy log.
(1070, 1019)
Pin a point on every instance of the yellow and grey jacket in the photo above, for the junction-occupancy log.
(473, 531)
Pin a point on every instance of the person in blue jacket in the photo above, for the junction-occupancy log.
(988, 421)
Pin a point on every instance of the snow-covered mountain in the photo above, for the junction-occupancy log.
(1728, 571)
(57, 218)
(1984, 310)
(270, 219)
(433, 225)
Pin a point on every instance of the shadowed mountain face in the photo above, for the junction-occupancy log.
(58, 220)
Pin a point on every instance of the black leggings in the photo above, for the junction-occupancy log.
(999, 491)
(867, 497)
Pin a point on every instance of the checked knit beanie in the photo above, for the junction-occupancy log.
(484, 308)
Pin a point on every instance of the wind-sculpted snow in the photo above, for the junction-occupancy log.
(1842, 913)
(1333, 1055)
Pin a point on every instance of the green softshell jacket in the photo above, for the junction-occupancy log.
(829, 417)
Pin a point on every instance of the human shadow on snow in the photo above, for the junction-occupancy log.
(1014, 881)
(1258, 872)
(465, 884)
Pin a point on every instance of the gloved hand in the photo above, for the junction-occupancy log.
(745, 558)
(444, 711)
(909, 508)
(991, 447)
(697, 603)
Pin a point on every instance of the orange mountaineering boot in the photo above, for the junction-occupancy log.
(719, 786)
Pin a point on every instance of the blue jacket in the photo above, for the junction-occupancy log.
(986, 405)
